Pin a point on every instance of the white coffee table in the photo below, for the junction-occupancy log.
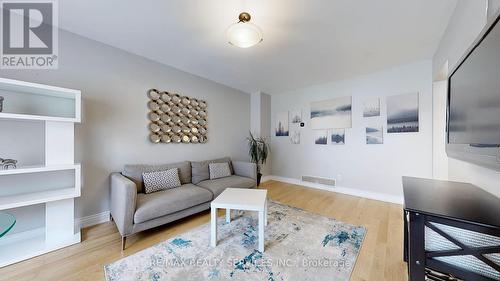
(240, 199)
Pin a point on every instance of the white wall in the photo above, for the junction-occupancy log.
(372, 168)
(465, 25)
(255, 113)
(260, 122)
(493, 7)
(114, 125)
(439, 157)
(265, 123)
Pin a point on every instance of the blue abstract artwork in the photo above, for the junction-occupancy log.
(331, 114)
(374, 135)
(337, 136)
(321, 137)
(281, 128)
(402, 113)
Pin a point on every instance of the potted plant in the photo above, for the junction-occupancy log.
(258, 150)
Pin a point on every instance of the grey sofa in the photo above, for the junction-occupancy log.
(133, 211)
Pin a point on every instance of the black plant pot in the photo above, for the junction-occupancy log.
(259, 176)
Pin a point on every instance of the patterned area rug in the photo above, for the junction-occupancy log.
(298, 246)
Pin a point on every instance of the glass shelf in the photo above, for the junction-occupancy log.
(7, 222)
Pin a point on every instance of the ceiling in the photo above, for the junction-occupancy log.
(306, 42)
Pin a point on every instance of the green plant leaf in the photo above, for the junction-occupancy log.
(258, 150)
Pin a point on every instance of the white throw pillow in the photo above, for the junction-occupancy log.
(160, 180)
(219, 170)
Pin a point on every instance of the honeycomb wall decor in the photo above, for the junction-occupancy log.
(176, 119)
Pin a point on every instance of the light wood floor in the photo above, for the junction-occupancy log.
(380, 257)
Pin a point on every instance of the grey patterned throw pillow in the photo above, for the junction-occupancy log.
(160, 180)
(219, 170)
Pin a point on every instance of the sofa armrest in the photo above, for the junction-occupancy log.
(245, 169)
(123, 202)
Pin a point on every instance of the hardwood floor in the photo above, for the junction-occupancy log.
(380, 257)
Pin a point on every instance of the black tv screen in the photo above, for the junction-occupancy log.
(474, 110)
(474, 102)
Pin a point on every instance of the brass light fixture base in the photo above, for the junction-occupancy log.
(244, 17)
(243, 33)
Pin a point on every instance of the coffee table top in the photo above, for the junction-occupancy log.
(241, 199)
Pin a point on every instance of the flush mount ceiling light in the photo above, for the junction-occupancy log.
(244, 34)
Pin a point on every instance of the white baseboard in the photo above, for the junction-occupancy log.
(92, 220)
(266, 178)
(344, 190)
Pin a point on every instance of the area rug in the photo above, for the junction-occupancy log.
(299, 245)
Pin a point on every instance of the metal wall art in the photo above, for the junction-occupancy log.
(176, 119)
(6, 164)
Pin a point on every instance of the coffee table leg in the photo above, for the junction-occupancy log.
(213, 228)
(265, 214)
(228, 215)
(261, 231)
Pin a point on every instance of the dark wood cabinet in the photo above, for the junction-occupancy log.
(451, 228)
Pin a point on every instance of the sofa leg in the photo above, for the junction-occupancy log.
(124, 240)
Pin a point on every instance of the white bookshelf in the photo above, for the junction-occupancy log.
(32, 101)
(56, 110)
(30, 244)
(14, 116)
(38, 169)
(33, 198)
(38, 89)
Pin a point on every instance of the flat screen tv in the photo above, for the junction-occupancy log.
(473, 121)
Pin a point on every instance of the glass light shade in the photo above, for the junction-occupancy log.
(244, 34)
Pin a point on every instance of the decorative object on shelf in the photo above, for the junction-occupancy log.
(295, 137)
(176, 119)
(6, 164)
(258, 149)
(295, 116)
(374, 135)
(402, 113)
(281, 128)
(1, 103)
(321, 137)
(7, 222)
(337, 136)
(244, 34)
(331, 114)
(371, 107)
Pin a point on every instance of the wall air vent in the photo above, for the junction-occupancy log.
(324, 181)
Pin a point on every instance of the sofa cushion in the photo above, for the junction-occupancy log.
(219, 170)
(161, 203)
(216, 186)
(160, 180)
(200, 170)
(134, 172)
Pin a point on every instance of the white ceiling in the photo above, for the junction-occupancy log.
(306, 42)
